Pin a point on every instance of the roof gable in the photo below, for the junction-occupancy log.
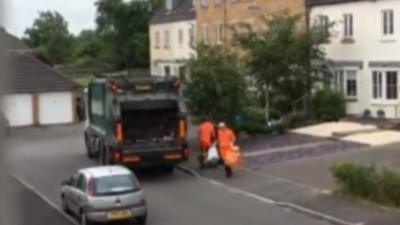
(26, 74)
(182, 10)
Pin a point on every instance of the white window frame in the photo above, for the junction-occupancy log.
(166, 39)
(382, 96)
(323, 22)
(192, 36)
(341, 78)
(348, 25)
(157, 39)
(181, 37)
(388, 20)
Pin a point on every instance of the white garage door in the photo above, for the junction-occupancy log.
(18, 109)
(55, 108)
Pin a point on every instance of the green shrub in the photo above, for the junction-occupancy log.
(329, 105)
(368, 183)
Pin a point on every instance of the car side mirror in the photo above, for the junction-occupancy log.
(66, 183)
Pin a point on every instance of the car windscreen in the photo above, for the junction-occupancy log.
(114, 185)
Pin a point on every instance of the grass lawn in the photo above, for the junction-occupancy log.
(84, 81)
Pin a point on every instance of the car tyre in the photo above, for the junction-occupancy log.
(83, 219)
(142, 220)
(64, 205)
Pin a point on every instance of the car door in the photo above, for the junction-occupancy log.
(77, 193)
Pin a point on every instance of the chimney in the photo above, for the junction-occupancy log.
(169, 5)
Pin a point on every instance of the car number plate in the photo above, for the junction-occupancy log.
(119, 214)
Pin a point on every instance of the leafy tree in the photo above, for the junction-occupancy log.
(124, 27)
(49, 34)
(89, 48)
(280, 59)
(216, 85)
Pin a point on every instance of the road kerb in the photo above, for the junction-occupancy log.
(297, 208)
(44, 198)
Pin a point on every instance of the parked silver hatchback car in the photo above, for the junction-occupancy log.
(104, 194)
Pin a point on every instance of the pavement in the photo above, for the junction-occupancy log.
(329, 128)
(306, 184)
(42, 157)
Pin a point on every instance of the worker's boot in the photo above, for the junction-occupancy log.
(201, 162)
(228, 172)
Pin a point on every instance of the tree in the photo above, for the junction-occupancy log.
(124, 27)
(88, 48)
(216, 86)
(49, 34)
(280, 59)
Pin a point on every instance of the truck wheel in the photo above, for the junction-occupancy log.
(89, 147)
(104, 156)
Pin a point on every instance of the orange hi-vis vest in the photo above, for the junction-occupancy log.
(206, 133)
(226, 139)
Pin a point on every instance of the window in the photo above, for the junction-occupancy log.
(157, 41)
(323, 22)
(220, 33)
(81, 183)
(205, 34)
(167, 71)
(192, 40)
(166, 39)
(351, 83)
(391, 85)
(385, 85)
(180, 36)
(345, 81)
(97, 102)
(388, 22)
(348, 25)
(114, 185)
(218, 2)
(377, 85)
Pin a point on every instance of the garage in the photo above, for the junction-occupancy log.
(37, 94)
(56, 108)
(18, 109)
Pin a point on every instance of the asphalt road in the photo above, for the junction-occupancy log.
(43, 157)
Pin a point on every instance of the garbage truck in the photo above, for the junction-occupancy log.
(137, 122)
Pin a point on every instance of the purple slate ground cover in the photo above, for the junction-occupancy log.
(303, 152)
(264, 142)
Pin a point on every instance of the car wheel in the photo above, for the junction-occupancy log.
(142, 220)
(103, 155)
(64, 205)
(83, 219)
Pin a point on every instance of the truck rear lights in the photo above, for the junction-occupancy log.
(117, 156)
(119, 132)
(172, 156)
(132, 159)
(182, 129)
(113, 86)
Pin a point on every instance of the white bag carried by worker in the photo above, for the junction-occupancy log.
(213, 156)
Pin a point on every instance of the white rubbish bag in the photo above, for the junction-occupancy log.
(213, 156)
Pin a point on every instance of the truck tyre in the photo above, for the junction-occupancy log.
(104, 156)
(89, 147)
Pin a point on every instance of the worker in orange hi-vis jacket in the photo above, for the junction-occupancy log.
(206, 138)
(226, 142)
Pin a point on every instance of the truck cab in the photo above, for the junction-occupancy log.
(136, 122)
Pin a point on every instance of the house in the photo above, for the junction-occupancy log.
(35, 93)
(219, 20)
(364, 51)
(172, 37)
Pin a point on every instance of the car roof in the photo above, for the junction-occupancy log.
(103, 171)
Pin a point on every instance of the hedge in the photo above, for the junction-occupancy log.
(367, 182)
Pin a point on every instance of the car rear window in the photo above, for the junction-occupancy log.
(112, 185)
